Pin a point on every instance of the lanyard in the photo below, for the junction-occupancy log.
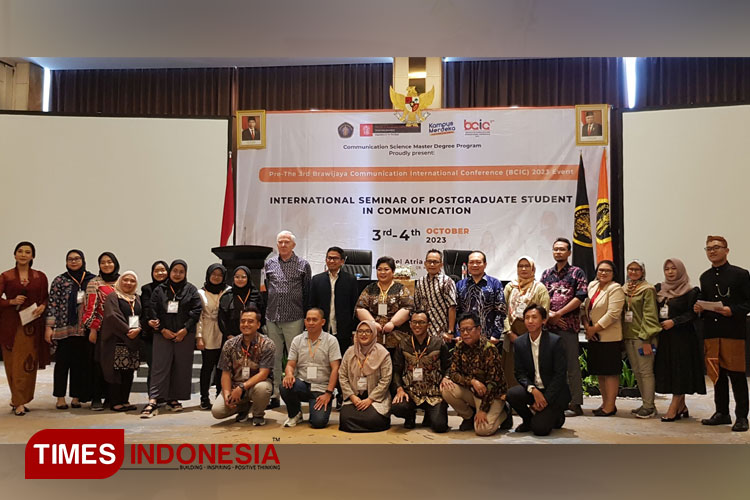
(362, 363)
(247, 353)
(246, 297)
(419, 355)
(80, 284)
(132, 306)
(175, 293)
(313, 351)
(383, 298)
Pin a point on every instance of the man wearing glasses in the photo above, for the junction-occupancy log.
(335, 293)
(419, 364)
(475, 383)
(724, 332)
(436, 295)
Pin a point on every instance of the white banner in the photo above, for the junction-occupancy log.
(499, 180)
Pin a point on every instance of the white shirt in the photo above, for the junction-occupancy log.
(332, 313)
(535, 356)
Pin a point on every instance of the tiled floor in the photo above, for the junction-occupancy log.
(196, 426)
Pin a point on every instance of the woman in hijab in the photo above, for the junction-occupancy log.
(159, 273)
(519, 293)
(119, 340)
(175, 308)
(23, 346)
(65, 329)
(679, 362)
(96, 293)
(365, 377)
(241, 295)
(640, 331)
(208, 335)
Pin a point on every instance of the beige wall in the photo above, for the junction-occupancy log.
(21, 87)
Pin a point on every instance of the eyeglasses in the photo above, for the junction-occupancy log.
(73, 259)
(418, 322)
(333, 258)
(713, 249)
(467, 329)
(605, 271)
(364, 332)
(432, 262)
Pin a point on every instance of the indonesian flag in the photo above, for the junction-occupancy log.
(603, 224)
(227, 220)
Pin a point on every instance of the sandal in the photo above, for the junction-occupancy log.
(150, 410)
(121, 408)
(174, 406)
(62, 407)
(75, 405)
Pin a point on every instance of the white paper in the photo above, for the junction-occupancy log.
(710, 306)
(27, 315)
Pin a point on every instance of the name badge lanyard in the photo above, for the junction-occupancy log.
(132, 312)
(361, 374)
(246, 297)
(174, 294)
(313, 351)
(80, 286)
(419, 355)
(383, 297)
(247, 353)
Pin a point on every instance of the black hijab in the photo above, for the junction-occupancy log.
(109, 277)
(210, 287)
(179, 285)
(80, 276)
(241, 292)
(155, 283)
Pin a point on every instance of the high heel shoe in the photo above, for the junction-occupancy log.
(684, 413)
(672, 419)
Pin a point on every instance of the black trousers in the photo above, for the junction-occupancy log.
(119, 394)
(146, 350)
(96, 387)
(353, 420)
(210, 359)
(542, 423)
(70, 357)
(437, 415)
(739, 388)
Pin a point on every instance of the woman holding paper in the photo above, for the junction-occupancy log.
(679, 362)
(23, 299)
(120, 342)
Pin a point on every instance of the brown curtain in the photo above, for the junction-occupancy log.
(143, 92)
(685, 81)
(283, 88)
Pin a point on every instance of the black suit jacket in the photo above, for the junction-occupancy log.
(246, 134)
(552, 365)
(345, 302)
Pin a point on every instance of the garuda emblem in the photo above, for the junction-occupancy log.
(412, 106)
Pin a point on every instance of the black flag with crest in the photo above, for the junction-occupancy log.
(583, 249)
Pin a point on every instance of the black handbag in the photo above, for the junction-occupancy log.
(125, 359)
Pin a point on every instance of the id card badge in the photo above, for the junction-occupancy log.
(172, 306)
(133, 322)
(664, 312)
(382, 309)
(417, 375)
(312, 372)
(245, 372)
(79, 296)
(362, 383)
(628, 316)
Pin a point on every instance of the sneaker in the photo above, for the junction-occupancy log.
(258, 421)
(291, 421)
(645, 413)
(205, 404)
(241, 416)
(574, 411)
(97, 406)
(636, 410)
(274, 403)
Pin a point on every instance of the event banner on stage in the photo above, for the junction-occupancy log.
(499, 180)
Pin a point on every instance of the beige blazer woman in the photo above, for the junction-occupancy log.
(607, 310)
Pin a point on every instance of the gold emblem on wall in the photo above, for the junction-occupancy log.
(412, 107)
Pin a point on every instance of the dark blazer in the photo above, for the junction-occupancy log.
(246, 134)
(345, 302)
(188, 311)
(597, 130)
(552, 365)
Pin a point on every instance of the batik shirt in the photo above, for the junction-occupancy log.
(480, 361)
(235, 356)
(564, 286)
(432, 357)
(487, 299)
(435, 295)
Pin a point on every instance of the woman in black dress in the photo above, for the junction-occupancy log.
(679, 364)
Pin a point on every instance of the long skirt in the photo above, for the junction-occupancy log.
(21, 364)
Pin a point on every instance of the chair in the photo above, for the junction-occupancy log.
(453, 260)
(358, 263)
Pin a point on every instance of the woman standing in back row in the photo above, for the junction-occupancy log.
(23, 346)
(208, 335)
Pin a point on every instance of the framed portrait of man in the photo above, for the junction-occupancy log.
(251, 129)
(592, 124)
